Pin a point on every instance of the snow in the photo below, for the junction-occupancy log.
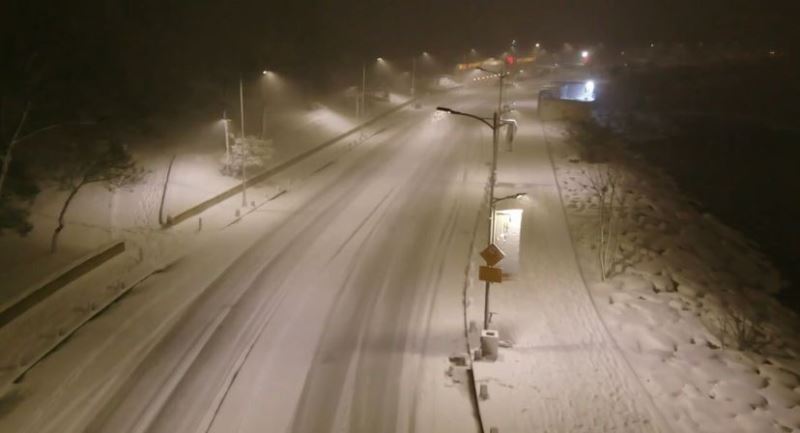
(343, 299)
(685, 277)
(175, 321)
(562, 371)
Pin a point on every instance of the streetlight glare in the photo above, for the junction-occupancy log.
(584, 54)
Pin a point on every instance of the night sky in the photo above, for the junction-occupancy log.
(141, 51)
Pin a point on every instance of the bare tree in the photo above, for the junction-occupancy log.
(20, 79)
(92, 161)
(740, 329)
(605, 184)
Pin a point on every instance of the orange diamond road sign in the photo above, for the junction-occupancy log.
(490, 274)
(492, 255)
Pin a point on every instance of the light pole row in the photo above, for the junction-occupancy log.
(361, 100)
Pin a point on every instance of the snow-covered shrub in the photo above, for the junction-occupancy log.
(252, 153)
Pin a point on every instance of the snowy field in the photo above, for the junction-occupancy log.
(689, 302)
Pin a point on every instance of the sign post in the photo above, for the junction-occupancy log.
(490, 274)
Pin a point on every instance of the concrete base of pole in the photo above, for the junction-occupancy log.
(490, 342)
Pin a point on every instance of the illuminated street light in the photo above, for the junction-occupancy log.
(584, 54)
(502, 75)
(268, 77)
(361, 108)
(495, 125)
(517, 196)
(425, 56)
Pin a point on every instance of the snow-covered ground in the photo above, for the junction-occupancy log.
(339, 304)
(561, 370)
(654, 347)
(260, 293)
(685, 287)
(97, 215)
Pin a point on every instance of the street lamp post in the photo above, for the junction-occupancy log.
(413, 75)
(243, 144)
(495, 126)
(225, 121)
(363, 90)
(502, 75)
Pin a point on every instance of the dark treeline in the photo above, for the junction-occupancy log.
(145, 55)
(727, 133)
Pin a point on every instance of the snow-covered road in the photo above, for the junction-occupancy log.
(335, 308)
(343, 317)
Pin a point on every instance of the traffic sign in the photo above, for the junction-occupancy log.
(490, 274)
(492, 255)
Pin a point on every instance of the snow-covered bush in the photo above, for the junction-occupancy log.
(250, 153)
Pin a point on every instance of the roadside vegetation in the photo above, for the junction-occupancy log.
(727, 134)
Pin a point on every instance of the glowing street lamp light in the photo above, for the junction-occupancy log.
(584, 54)
(362, 107)
(425, 56)
(517, 196)
(267, 77)
(495, 125)
(502, 76)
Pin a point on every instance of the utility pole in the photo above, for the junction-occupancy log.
(363, 88)
(227, 141)
(503, 76)
(495, 125)
(243, 144)
(492, 181)
(413, 74)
